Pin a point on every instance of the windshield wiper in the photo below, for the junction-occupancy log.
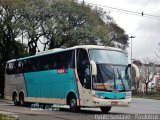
(119, 76)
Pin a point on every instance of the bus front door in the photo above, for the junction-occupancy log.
(83, 70)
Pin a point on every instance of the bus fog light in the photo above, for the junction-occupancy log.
(96, 96)
(127, 97)
(102, 97)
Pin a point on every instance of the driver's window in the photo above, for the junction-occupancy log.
(83, 68)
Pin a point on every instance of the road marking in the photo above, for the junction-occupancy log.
(147, 107)
(155, 109)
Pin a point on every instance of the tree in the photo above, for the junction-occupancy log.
(67, 23)
(118, 36)
(73, 24)
(148, 71)
(53, 23)
(34, 13)
(10, 22)
(56, 23)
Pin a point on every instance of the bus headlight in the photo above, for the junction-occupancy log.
(102, 97)
(128, 95)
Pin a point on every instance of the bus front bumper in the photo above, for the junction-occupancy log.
(108, 102)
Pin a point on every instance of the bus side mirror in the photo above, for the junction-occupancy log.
(94, 67)
(135, 67)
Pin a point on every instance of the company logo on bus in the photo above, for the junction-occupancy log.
(62, 71)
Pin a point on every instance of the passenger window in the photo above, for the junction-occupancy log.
(11, 68)
(65, 59)
(19, 67)
(8, 68)
(47, 62)
(15, 67)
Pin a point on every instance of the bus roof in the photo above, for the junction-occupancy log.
(65, 49)
(13, 60)
(96, 47)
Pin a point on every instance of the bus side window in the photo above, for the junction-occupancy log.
(61, 60)
(68, 59)
(83, 68)
(8, 69)
(71, 61)
(15, 68)
(19, 67)
(24, 66)
(72, 64)
(52, 62)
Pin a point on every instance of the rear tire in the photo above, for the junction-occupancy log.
(73, 104)
(21, 99)
(15, 100)
(105, 109)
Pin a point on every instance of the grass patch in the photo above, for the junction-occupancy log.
(7, 117)
(156, 97)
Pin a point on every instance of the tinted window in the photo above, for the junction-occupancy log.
(47, 62)
(65, 60)
(9, 68)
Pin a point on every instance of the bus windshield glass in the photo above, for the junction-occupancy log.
(108, 57)
(113, 72)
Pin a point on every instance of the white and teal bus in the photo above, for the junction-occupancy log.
(81, 76)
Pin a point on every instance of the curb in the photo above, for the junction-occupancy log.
(6, 101)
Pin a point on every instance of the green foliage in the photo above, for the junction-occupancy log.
(10, 24)
(7, 117)
(10, 29)
(73, 24)
(58, 23)
(118, 35)
(53, 23)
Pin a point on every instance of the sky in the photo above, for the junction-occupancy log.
(146, 30)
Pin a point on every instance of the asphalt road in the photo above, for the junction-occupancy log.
(138, 106)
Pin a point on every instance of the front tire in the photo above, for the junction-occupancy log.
(73, 104)
(105, 109)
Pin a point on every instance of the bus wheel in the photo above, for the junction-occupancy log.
(21, 99)
(73, 104)
(105, 109)
(15, 100)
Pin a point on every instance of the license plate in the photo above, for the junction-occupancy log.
(114, 103)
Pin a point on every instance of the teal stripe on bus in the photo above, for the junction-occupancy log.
(111, 95)
(50, 84)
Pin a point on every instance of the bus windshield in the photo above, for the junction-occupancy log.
(108, 57)
(113, 72)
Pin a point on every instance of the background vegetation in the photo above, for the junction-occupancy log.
(30, 26)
